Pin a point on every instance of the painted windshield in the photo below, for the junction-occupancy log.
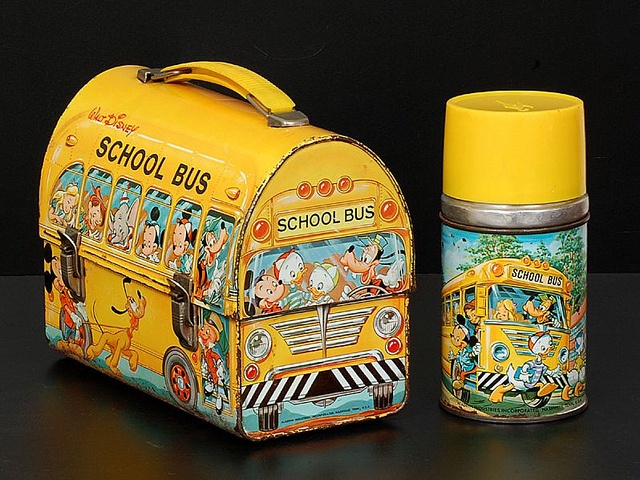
(526, 305)
(325, 271)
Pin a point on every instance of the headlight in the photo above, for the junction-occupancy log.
(563, 355)
(387, 322)
(499, 352)
(258, 345)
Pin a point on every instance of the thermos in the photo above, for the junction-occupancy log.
(514, 256)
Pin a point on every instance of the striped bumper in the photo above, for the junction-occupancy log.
(490, 381)
(323, 384)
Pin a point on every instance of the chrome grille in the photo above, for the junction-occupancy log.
(304, 335)
(520, 341)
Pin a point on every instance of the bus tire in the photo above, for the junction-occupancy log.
(382, 396)
(531, 399)
(268, 417)
(180, 379)
(461, 394)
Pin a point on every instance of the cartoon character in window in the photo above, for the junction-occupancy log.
(322, 281)
(92, 217)
(472, 320)
(182, 244)
(63, 205)
(289, 269)
(215, 346)
(506, 310)
(542, 313)
(211, 271)
(121, 223)
(530, 374)
(151, 237)
(367, 266)
(268, 292)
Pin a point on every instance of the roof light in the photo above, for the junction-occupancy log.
(261, 230)
(304, 190)
(389, 210)
(497, 269)
(345, 184)
(325, 187)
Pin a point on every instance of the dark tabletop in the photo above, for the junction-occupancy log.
(60, 419)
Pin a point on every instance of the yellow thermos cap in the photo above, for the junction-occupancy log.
(514, 147)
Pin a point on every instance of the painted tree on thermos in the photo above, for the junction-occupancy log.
(490, 247)
(542, 253)
(571, 258)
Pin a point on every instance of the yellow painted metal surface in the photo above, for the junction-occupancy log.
(165, 207)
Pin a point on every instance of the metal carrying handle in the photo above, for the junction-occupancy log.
(268, 99)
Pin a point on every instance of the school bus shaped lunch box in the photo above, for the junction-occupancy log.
(225, 256)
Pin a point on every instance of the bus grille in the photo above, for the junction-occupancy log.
(304, 335)
(520, 341)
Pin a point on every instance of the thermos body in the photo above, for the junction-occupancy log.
(514, 211)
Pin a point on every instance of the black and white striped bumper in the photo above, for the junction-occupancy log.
(490, 381)
(323, 384)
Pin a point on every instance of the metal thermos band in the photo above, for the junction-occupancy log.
(487, 216)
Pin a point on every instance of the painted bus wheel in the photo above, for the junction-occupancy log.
(382, 396)
(532, 400)
(456, 374)
(180, 379)
(268, 417)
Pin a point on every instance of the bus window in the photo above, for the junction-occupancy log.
(122, 216)
(455, 306)
(520, 304)
(446, 310)
(65, 197)
(181, 236)
(469, 296)
(325, 271)
(152, 225)
(212, 257)
(95, 199)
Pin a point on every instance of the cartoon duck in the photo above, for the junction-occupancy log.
(529, 375)
(323, 280)
(289, 269)
(577, 376)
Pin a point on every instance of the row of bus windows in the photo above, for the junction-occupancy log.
(451, 307)
(156, 228)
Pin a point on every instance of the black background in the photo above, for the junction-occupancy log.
(380, 72)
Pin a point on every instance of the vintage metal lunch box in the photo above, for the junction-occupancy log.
(224, 255)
